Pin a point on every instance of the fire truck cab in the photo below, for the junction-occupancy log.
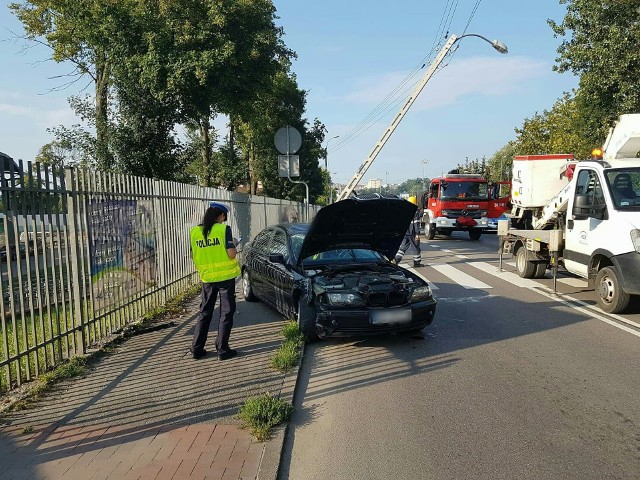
(456, 202)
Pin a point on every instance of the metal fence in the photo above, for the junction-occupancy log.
(84, 253)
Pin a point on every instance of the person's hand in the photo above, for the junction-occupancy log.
(236, 241)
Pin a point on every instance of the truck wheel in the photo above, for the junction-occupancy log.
(611, 298)
(541, 269)
(307, 321)
(526, 269)
(475, 234)
(430, 230)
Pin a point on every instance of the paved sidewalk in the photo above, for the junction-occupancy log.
(148, 412)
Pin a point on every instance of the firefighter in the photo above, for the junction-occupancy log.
(214, 254)
(411, 238)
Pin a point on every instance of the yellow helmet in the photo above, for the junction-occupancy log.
(413, 199)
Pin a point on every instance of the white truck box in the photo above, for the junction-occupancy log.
(537, 178)
(623, 140)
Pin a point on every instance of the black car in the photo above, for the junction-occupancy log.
(334, 275)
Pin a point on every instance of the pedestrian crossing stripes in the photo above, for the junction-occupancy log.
(510, 277)
(459, 277)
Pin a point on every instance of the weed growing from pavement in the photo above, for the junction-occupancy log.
(288, 354)
(260, 414)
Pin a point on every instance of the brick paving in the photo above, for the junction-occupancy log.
(148, 411)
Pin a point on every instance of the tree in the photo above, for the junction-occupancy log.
(413, 186)
(604, 49)
(554, 131)
(500, 164)
(82, 33)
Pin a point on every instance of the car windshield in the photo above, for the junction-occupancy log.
(340, 255)
(465, 190)
(624, 185)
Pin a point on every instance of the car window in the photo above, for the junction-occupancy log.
(261, 242)
(589, 184)
(279, 244)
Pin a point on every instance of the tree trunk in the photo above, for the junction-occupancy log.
(206, 151)
(102, 106)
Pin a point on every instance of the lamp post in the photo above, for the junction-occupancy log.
(423, 162)
(326, 167)
(499, 46)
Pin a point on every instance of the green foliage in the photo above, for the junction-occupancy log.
(554, 131)
(291, 331)
(413, 186)
(474, 166)
(260, 414)
(604, 50)
(287, 356)
(500, 165)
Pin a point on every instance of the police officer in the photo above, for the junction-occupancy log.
(411, 238)
(214, 254)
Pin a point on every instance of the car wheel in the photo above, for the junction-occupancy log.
(475, 234)
(430, 230)
(247, 290)
(306, 317)
(541, 269)
(611, 298)
(526, 269)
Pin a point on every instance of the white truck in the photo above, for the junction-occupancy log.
(582, 214)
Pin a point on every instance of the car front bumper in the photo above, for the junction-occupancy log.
(349, 322)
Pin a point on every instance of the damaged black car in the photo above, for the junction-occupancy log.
(335, 276)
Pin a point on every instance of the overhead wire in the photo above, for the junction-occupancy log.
(398, 94)
(401, 90)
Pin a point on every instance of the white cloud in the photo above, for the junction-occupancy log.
(478, 75)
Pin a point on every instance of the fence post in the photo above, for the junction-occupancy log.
(75, 231)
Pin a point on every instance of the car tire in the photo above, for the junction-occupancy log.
(541, 270)
(429, 230)
(247, 289)
(306, 317)
(609, 294)
(526, 268)
(475, 234)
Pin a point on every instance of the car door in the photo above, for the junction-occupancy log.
(257, 263)
(282, 274)
(273, 269)
(584, 230)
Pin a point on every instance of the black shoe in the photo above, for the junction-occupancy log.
(198, 355)
(228, 354)
(417, 264)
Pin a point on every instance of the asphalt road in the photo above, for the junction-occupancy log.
(510, 382)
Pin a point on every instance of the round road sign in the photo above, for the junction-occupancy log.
(288, 140)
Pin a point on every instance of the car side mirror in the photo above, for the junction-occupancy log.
(276, 258)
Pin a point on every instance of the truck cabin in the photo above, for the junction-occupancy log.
(624, 185)
(460, 187)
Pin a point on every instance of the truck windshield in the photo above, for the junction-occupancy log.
(465, 190)
(624, 185)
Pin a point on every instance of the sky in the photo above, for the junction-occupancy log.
(355, 59)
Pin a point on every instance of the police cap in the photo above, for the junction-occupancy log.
(219, 206)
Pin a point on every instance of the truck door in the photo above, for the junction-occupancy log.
(586, 222)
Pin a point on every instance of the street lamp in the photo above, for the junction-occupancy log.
(326, 167)
(423, 162)
(498, 45)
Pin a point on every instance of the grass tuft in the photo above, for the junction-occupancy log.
(287, 356)
(260, 414)
(291, 331)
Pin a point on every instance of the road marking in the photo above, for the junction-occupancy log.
(415, 272)
(510, 277)
(433, 245)
(461, 278)
(447, 251)
(462, 256)
(574, 282)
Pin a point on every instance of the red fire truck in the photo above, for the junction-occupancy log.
(456, 202)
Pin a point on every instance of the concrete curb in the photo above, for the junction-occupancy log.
(270, 464)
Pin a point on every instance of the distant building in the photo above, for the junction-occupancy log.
(374, 183)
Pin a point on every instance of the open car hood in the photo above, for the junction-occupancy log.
(372, 223)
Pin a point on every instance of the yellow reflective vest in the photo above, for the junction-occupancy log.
(210, 255)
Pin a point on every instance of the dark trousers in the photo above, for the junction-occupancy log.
(407, 242)
(227, 290)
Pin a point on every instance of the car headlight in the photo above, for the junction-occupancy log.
(344, 299)
(421, 293)
(635, 239)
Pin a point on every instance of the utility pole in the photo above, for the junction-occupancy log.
(424, 162)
